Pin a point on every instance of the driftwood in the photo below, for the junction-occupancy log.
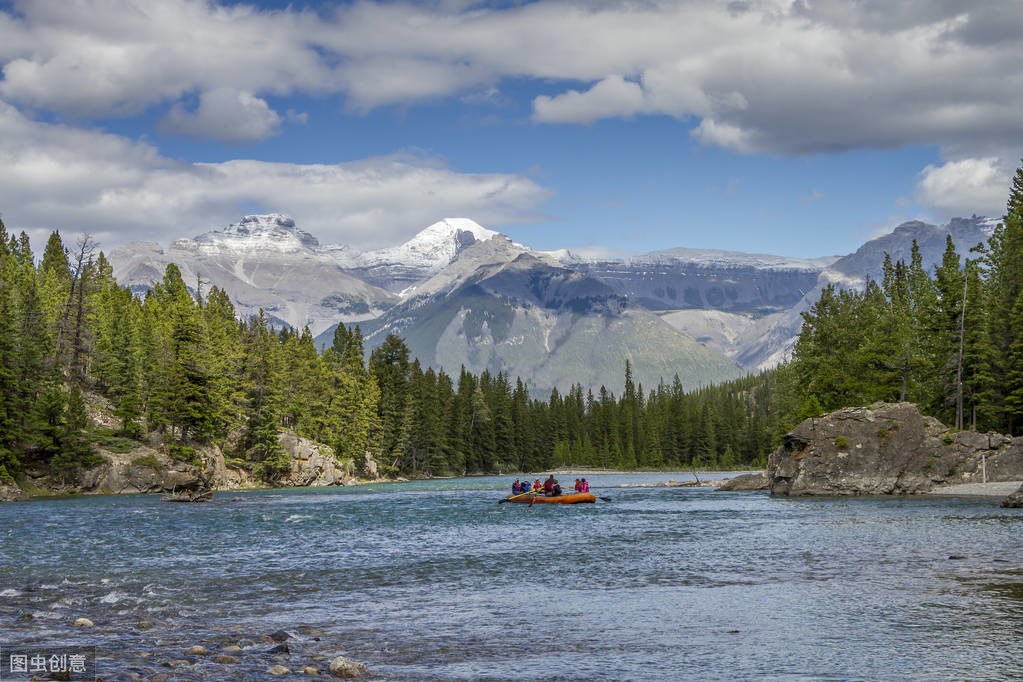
(189, 496)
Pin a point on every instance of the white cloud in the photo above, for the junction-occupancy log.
(789, 77)
(612, 96)
(226, 115)
(777, 76)
(58, 176)
(966, 186)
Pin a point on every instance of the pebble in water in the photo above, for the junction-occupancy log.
(224, 658)
(278, 670)
(197, 651)
(83, 623)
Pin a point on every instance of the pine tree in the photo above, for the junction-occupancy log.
(1015, 203)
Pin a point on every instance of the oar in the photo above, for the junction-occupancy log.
(509, 499)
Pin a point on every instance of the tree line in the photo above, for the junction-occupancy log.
(951, 341)
(179, 370)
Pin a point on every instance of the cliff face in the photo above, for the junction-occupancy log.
(886, 449)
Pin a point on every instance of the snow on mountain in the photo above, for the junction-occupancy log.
(271, 233)
(431, 249)
(400, 267)
(711, 258)
(717, 258)
(263, 262)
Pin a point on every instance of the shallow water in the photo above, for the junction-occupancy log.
(434, 580)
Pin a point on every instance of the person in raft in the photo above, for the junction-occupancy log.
(551, 487)
(578, 486)
(584, 487)
(516, 487)
(536, 486)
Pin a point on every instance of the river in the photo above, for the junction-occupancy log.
(435, 580)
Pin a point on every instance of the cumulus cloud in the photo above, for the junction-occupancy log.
(58, 176)
(966, 186)
(613, 96)
(770, 75)
(789, 77)
(226, 115)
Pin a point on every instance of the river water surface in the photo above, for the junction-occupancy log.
(434, 580)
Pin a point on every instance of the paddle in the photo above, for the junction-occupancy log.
(509, 499)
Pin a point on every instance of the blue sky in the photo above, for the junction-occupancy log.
(791, 127)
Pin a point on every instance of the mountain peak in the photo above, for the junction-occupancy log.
(273, 232)
(431, 249)
(457, 232)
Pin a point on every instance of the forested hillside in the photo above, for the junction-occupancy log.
(951, 341)
(180, 371)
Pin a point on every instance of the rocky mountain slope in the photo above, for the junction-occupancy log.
(501, 307)
(399, 269)
(703, 279)
(262, 261)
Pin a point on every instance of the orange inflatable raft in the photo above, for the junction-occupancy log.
(571, 498)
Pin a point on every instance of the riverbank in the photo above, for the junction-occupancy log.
(993, 489)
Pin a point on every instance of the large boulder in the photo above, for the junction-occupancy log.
(312, 463)
(886, 449)
(1015, 500)
(745, 482)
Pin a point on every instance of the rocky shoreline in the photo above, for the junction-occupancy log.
(146, 469)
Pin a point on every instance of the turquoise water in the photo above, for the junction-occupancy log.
(434, 580)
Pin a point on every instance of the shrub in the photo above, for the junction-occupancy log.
(929, 465)
(882, 433)
(953, 470)
(841, 443)
(146, 461)
(273, 467)
(948, 439)
(183, 453)
(118, 444)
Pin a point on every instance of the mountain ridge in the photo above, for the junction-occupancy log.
(744, 308)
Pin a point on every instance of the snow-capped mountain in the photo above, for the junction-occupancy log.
(262, 262)
(270, 233)
(399, 267)
(464, 294)
(502, 307)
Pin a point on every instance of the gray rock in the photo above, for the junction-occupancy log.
(11, 493)
(197, 650)
(886, 449)
(1014, 500)
(754, 481)
(347, 668)
(278, 670)
(224, 658)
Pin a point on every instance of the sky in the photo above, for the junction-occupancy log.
(794, 127)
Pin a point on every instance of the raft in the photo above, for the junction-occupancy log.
(570, 498)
